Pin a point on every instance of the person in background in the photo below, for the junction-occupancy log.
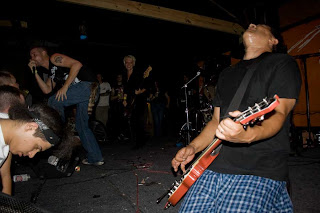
(135, 101)
(160, 101)
(73, 83)
(102, 109)
(250, 173)
(120, 128)
(7, 78)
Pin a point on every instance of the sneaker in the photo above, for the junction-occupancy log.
(122, 137)
(99, 163)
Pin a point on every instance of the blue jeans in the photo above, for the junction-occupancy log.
(78, 94)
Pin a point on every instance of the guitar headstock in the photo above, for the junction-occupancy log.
(258, 111)
(147, 72)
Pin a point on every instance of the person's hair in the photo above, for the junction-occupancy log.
(51, 118)
(280, 47)
(5, 78)
(9, 96)
(42, 48)
(130, 56)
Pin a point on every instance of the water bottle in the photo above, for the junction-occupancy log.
(21, 178)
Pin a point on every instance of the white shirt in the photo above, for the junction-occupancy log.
(4, 149)
(104, 100)
(4, 115)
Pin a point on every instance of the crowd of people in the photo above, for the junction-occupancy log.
(251, 169)
(134, 98)
(124, 107)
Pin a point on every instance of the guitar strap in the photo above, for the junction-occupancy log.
(238, 96)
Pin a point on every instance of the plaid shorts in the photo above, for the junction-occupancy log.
(236, 193)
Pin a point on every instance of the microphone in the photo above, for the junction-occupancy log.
(34, 69)
(200, 70)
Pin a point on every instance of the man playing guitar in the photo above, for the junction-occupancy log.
(250, 173)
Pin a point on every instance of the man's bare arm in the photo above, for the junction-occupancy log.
(233, 132)
(46, 87)
(65, 61)
(6, 176)
(74, 66)
(186, 154)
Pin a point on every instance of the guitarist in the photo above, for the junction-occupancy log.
(250, 173)
(135, 101)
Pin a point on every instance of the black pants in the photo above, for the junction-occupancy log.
(137, 124)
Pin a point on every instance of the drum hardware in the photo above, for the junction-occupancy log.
(207, 114)
(188, 130)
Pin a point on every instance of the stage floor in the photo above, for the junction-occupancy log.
(132, 180)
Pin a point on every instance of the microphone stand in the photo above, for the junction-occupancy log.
(187, 110)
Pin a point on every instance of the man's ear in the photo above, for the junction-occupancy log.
(22, 99)
(44, 52)
(273, 41)
(31, 126)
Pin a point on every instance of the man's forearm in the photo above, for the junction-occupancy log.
(43, 86)
(205, 137)
(268, 128)
(7, 185)
(5, 172)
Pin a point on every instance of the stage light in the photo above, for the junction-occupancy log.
(83, 31)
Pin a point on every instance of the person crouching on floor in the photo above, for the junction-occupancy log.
(29, 131)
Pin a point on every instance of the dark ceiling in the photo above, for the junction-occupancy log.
(169, 47)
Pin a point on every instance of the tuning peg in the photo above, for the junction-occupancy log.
(261, 118)
(245, 127)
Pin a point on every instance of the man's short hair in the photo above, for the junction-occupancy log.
(9, 96)
(39, 47)
(280, 47)
(5, 78)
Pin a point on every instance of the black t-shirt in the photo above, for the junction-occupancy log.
(275, 74)
(135, 82)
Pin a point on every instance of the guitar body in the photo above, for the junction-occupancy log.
(197, 169)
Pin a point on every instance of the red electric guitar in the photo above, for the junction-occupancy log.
(195, 170)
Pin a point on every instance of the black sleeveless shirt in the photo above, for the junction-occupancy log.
(60, 74)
